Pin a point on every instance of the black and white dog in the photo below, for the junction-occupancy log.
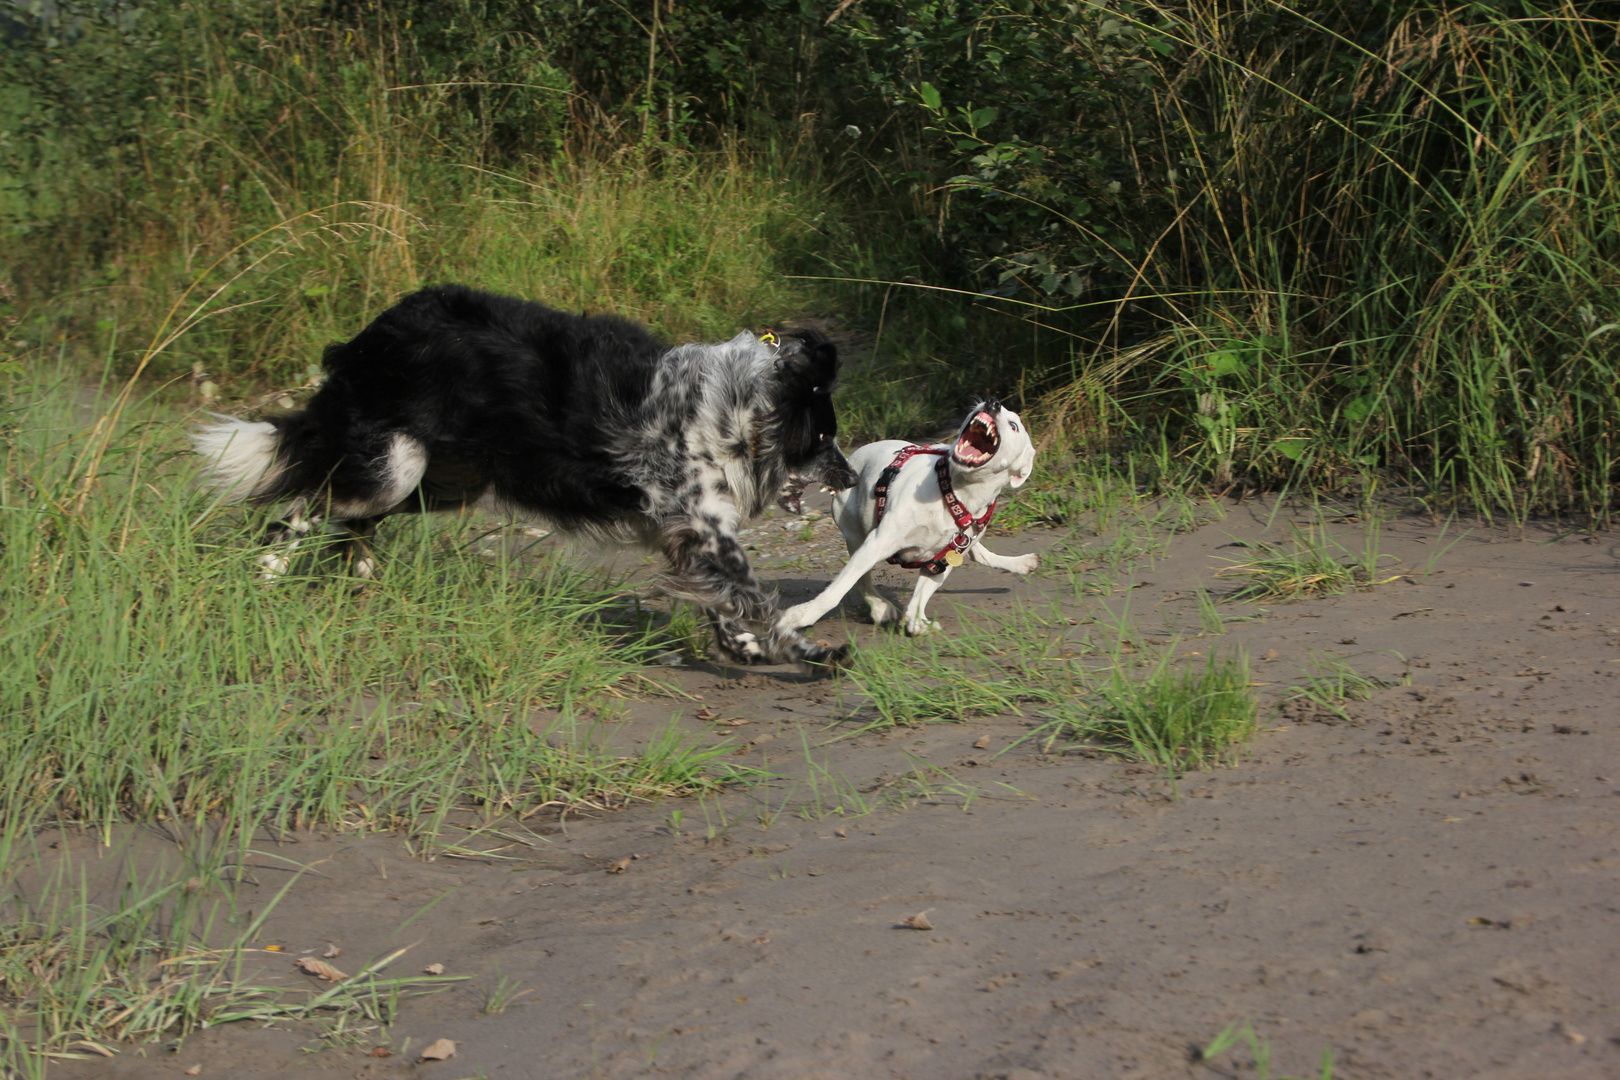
(926, 508)
(454, 397)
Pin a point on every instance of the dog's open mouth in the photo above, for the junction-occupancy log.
(978, 442)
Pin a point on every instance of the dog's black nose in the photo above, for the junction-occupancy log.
(992, 406)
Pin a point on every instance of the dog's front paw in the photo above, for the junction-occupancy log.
(790, 645)
(823, 654)
(273, 565)
(741, 647)
(919, 627)
(1027, 564)
(793, 620)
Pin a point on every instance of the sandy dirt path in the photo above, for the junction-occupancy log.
(1431, 887)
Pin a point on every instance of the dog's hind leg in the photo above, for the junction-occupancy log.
(847, 513)
(282, 539)
(883, 612)
(917, 621)
(390, 482)
(378, 475)
(362, 564)
(877, 605)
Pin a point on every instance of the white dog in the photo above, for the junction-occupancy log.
(924, 507)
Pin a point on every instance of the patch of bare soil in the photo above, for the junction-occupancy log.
(1429, 886)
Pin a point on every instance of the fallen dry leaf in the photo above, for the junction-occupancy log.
(381, 1051)
(918, 921)
(982, 742)
(195, 1070)
(1271, 654)
(319, 968)
(274, 948)
(841, 833)
(706, 713)
(433, 969)
(332, 951)
(439, 1051)
(620, 867)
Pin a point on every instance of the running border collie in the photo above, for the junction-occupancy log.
(924, 507)
(454, 397)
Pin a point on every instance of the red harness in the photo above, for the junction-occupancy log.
(969, 528)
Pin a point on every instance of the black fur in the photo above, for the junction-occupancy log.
(455, 396)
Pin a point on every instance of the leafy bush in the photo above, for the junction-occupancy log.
(1278, 239)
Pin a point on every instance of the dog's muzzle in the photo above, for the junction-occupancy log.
(979, 438)
(829, 469)
(836, 473)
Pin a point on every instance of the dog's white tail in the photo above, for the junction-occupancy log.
(240, 456)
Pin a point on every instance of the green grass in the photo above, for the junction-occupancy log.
(1451, 334)
(1139, 702)
(908, 681)
(1447, 332)
(148, 676)
(1441, 323)
(1330, 681)
(1259, 1052)
(503, 995)
(295, 175)
(174, 954)
(829, 792)
(1314, 566)
(985, 665)
(1190, 716)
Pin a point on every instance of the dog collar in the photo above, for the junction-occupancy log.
(968, 527)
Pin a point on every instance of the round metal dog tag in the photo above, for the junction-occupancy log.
(954, 558)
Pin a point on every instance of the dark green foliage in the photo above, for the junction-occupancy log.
(1285, 241)
(1036, 114)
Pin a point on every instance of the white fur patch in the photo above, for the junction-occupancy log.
(407, 462)
(240, 455)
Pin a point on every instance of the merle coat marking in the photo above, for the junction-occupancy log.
(454, 397)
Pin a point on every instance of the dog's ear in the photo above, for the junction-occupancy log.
(808, 359)
(807, 366)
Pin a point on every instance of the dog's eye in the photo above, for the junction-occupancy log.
(1013, 424)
